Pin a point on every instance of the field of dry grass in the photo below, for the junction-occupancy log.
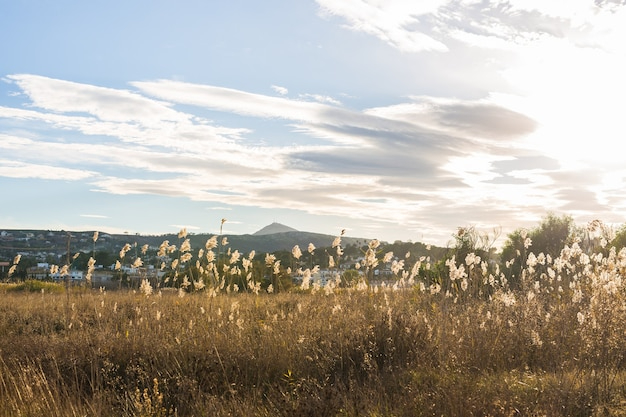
(349, 353)
(464, 342)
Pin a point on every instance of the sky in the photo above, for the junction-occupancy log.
(391, 119)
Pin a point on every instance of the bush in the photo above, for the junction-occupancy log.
(34, 286)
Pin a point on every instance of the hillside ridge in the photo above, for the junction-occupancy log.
(272, 238)
(274, 228)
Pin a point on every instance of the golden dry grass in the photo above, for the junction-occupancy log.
(349, 353)
(457, 340)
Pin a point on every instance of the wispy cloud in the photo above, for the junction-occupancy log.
(94, 216)
(15, 169)
(183, 226)
(106, 104)
(280, 90)
(229, 100)
(321, 99)
(393, 21)
(434, 25)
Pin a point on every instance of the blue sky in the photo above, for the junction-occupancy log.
(391, 119)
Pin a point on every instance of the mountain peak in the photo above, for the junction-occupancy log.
(274, 228)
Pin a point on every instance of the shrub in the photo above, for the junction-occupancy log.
(34, 286)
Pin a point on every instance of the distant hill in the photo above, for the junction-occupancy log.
(44, 244)
(274, 228)
(272, 238)
(286, 241)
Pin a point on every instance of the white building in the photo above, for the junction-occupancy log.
(74, 275)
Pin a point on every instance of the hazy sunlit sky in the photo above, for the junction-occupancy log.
(392, 119)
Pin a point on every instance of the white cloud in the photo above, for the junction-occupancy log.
(495, 24)
(15, 169)
(396, 22)
(106, 104)
(183, 226)
(578, 12)
(13, 142)
(321, 99)
(230, 100)
(280, 90)
(192, 138)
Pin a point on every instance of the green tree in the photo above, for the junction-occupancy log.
(81, 261)
(619, 241)
(513, 256)
(549, 238)
(105, 258)
(552, 235)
